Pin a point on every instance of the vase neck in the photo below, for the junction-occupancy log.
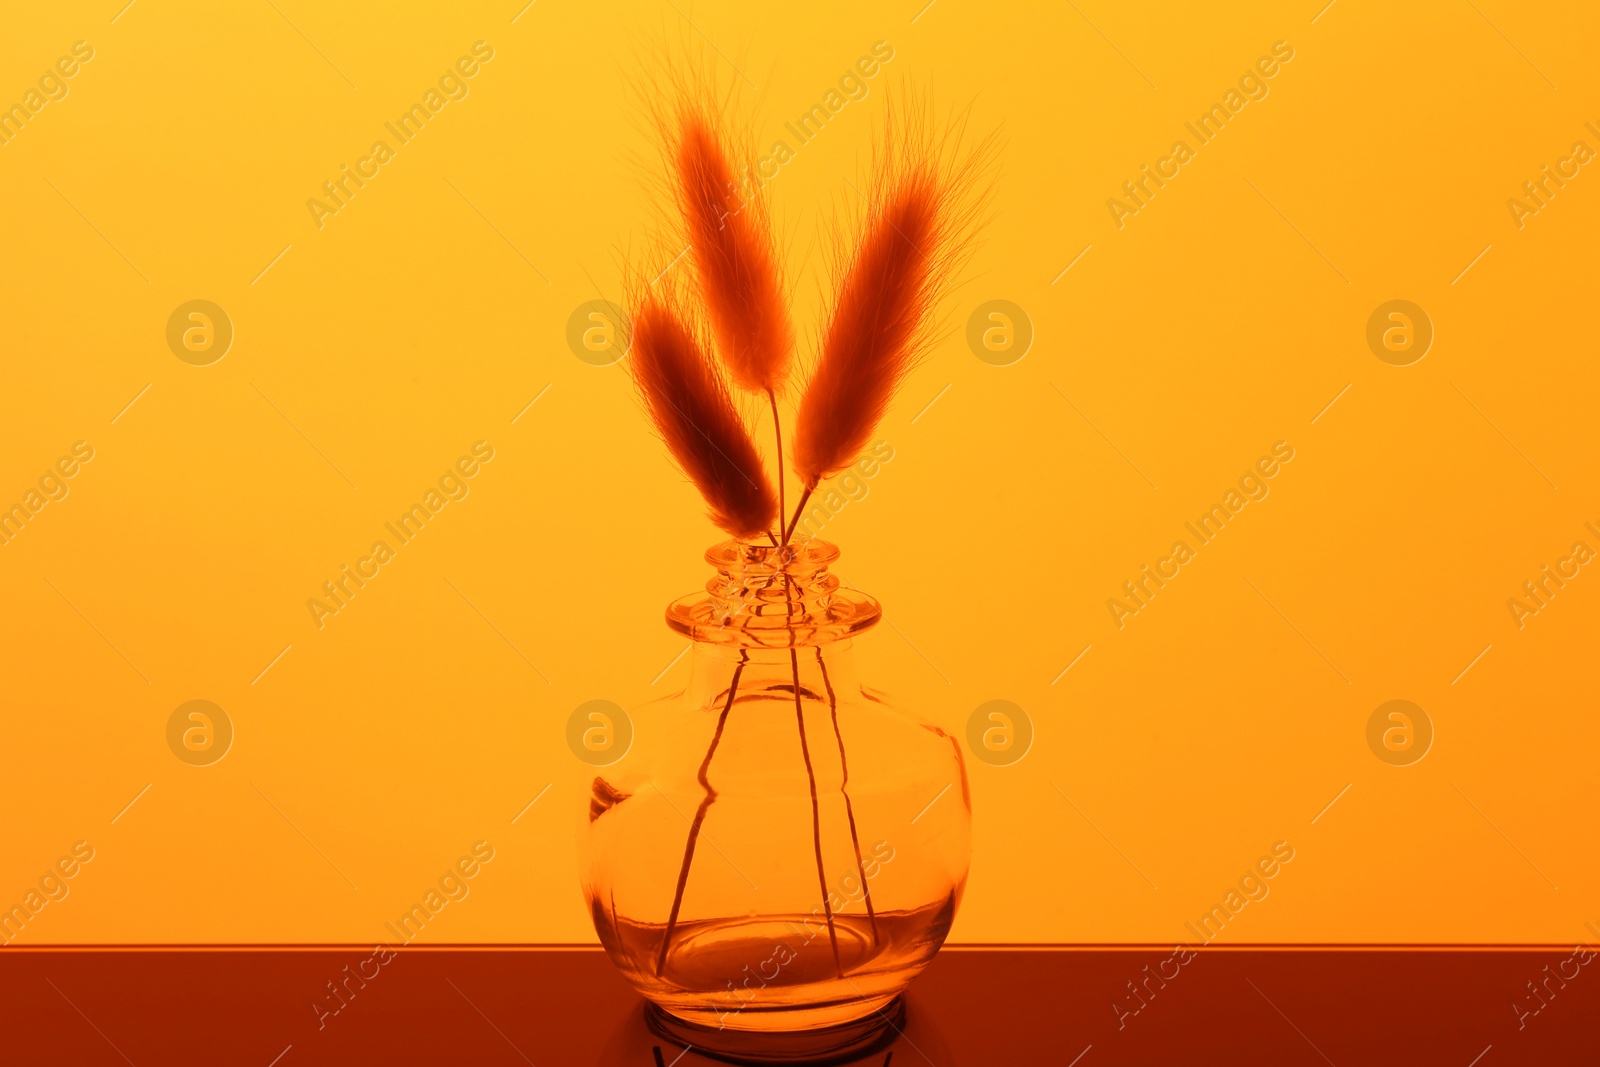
(826, 673)
(767, 597)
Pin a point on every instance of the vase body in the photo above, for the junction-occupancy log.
(772, 860)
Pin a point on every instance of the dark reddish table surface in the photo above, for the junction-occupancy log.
(974, 1006)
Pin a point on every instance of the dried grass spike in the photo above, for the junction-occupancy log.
(878, 318)
(689, 402)
(734, 256)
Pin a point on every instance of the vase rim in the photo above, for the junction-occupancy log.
(811, 552)
(743, 607)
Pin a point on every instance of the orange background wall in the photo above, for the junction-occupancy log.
(1222, 317)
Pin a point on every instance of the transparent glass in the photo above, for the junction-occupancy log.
(782, 850)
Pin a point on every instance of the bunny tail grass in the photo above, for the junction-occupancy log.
(918, 226)
(689, 402)
(740, 282)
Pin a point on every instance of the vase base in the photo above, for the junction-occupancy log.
(836, 1044)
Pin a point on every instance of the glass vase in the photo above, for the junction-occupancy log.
(781, 851)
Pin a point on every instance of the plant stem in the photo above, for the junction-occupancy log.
(777, 430)
(816, 817)
(700, 813)
(849, 809)
(798, 508)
